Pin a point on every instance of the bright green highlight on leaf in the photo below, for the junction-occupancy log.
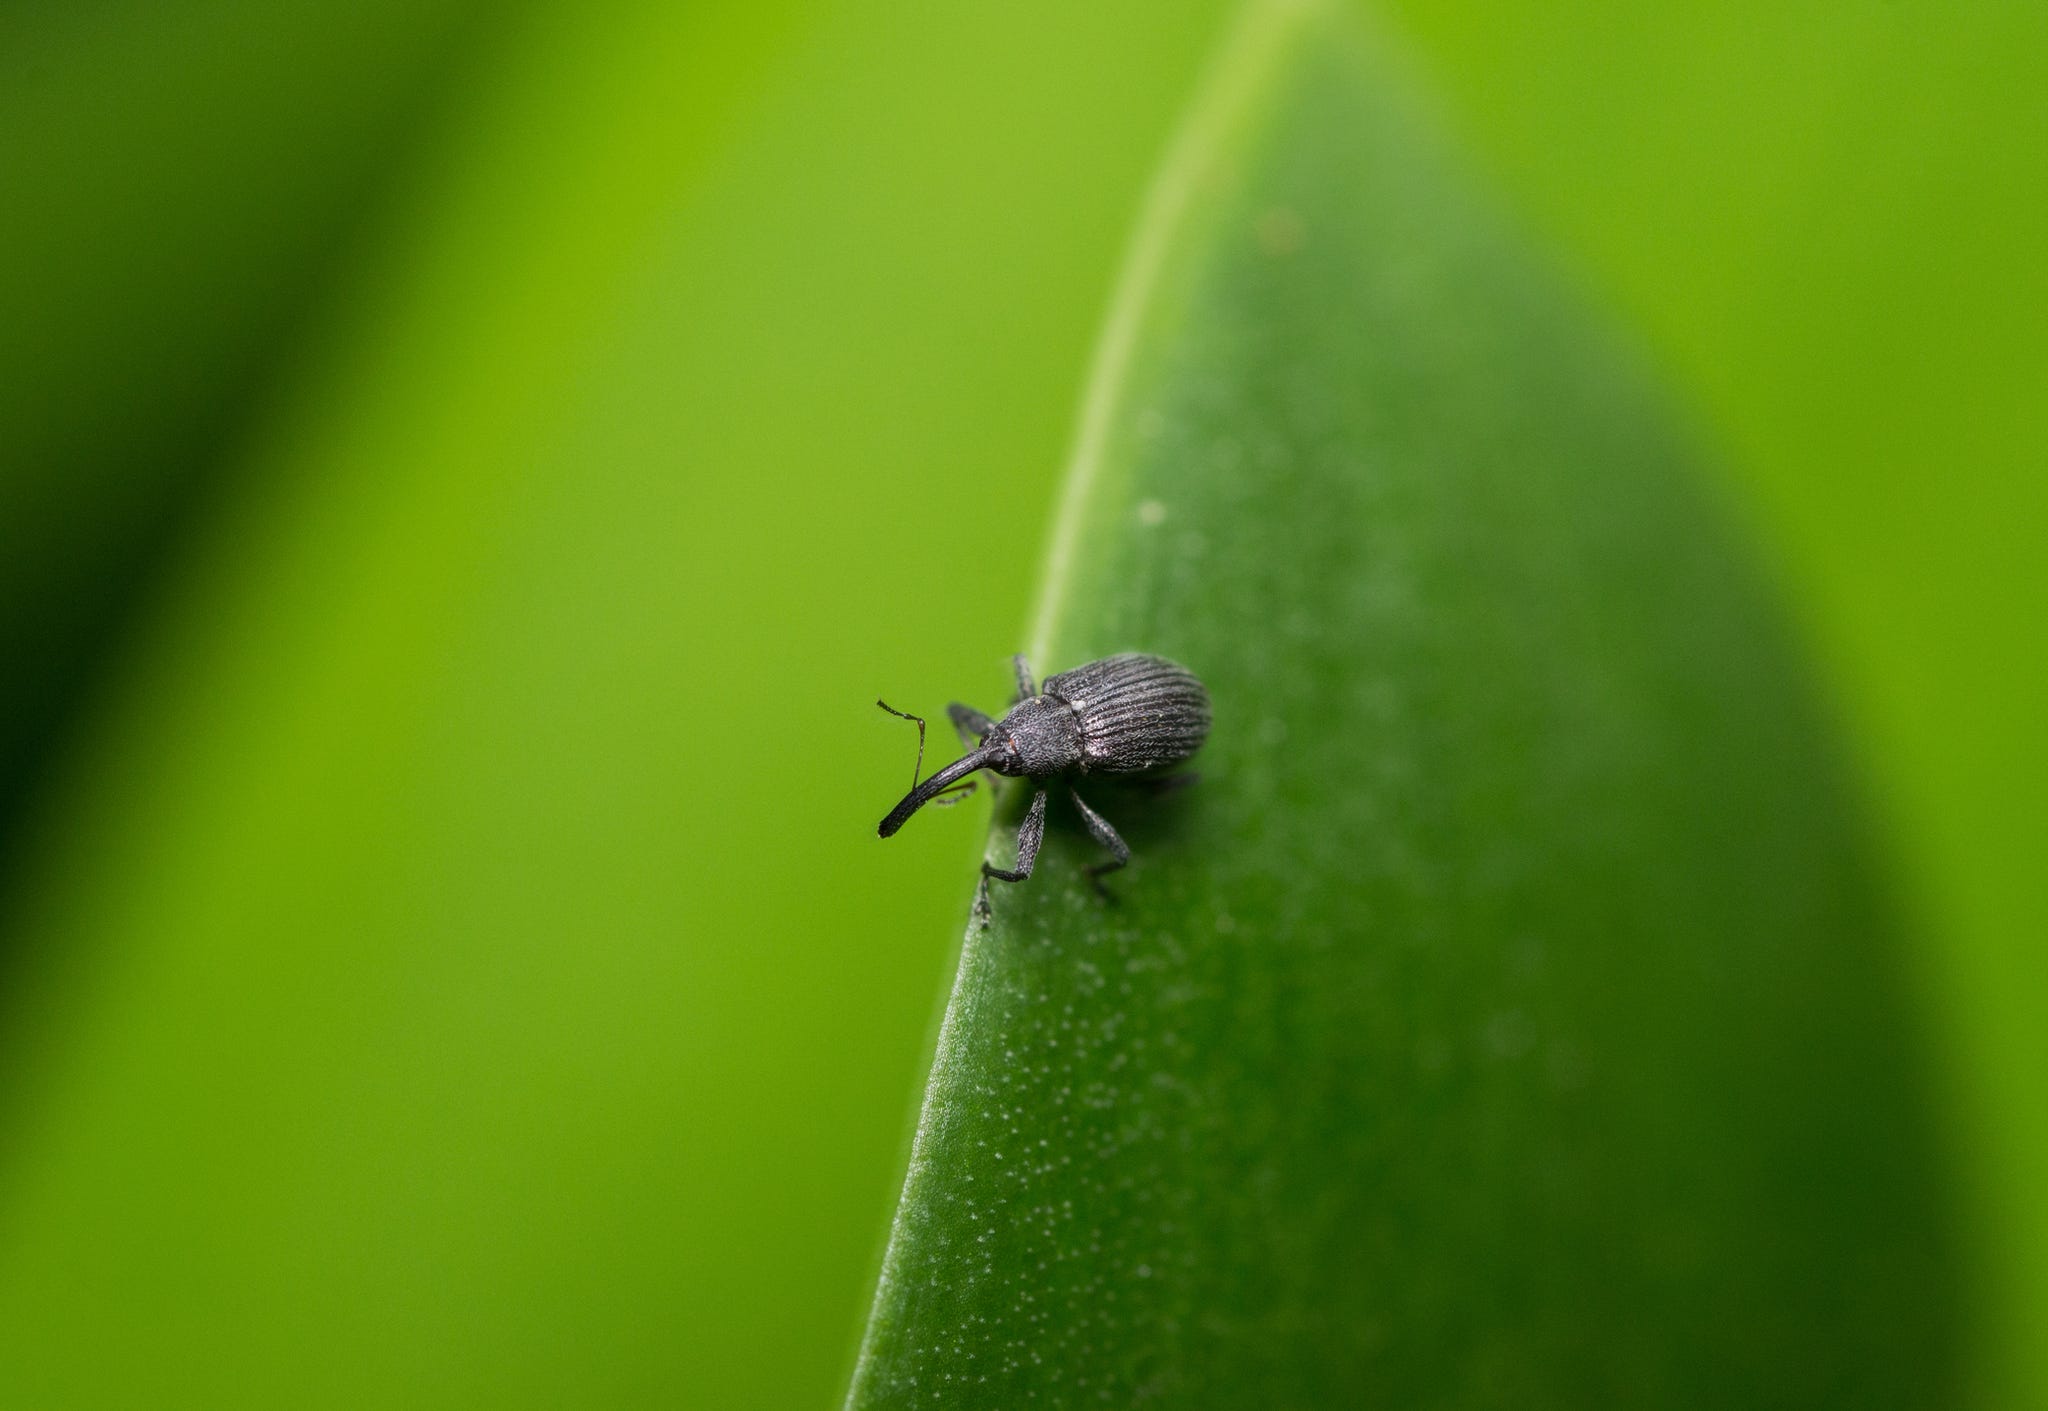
(1511, 1015)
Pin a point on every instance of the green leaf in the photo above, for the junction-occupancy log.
(1513, 1014)
(182, 184)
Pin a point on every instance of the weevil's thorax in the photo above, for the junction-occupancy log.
(1041, 736)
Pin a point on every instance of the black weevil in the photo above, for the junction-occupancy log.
(1132, 715)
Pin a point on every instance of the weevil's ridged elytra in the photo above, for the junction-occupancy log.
(1137, 712)
(1128, 714)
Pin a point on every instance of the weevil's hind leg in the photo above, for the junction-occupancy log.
(972, 725)
(1099, 829)
(1029, 836)
(1025, 689)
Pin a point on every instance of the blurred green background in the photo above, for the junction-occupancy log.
(467, 468)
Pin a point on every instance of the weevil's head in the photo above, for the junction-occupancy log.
(1040, 736)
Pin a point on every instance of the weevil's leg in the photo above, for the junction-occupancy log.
(917, 768)
(1025, 689)
(1029, 836)
(974, 728)
(1099, 829)
(971, 723)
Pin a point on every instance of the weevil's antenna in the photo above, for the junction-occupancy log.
(931, 788)
(918, 768)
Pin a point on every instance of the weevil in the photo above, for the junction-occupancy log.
(1132, 715)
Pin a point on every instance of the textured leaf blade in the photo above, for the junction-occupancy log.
(1512, 1013)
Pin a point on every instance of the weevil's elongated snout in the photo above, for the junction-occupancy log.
(931, 788)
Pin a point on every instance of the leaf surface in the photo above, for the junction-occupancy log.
(1512, 1014)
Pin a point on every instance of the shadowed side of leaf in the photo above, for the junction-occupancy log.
(1511, 1015)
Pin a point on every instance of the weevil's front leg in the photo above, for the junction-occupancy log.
(1029, 836)
(971, 724)
(1099, 829)
(973, 728)
(1025, 689)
